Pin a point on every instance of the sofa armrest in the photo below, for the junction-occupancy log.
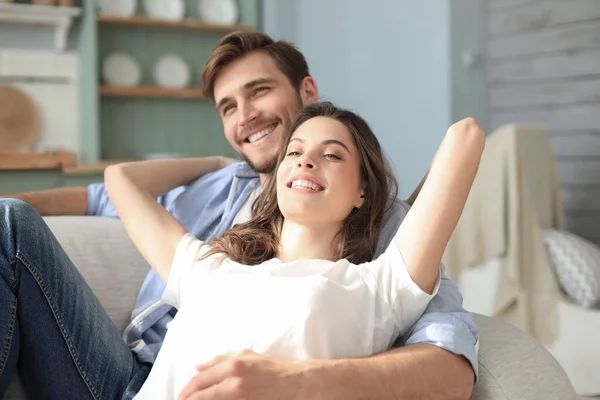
(103, 253)
(513, 366)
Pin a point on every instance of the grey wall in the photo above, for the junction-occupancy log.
(544, 67)
(467, 54)
(389, 60)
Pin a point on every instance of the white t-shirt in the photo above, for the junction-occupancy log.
(294, 311)
(245, 212)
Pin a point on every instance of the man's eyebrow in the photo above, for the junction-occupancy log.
(247, 85)
(324, 142)
(258, 81)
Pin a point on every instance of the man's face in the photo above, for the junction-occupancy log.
(256, 103)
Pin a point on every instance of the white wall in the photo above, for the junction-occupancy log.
(389, 60)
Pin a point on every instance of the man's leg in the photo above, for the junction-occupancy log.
(51, 324)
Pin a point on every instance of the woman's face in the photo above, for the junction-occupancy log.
(319, 179)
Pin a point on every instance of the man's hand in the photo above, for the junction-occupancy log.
(227, 161)
(249, 376)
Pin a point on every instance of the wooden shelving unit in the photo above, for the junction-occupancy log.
(152, 92)
(39, 161)
(191, 24)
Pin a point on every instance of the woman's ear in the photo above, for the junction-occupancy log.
(360, 201)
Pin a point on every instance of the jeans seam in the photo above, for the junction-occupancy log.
(58, 319)
(10, 331)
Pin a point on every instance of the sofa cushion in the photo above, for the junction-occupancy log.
(576, 262)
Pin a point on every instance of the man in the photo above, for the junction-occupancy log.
(257, 86)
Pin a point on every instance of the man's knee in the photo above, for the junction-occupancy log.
(14, 209)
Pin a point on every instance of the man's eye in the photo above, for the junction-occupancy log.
(260, 89)
(226, 109)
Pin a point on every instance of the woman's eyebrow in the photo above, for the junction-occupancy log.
(333, 141)
(324, 143)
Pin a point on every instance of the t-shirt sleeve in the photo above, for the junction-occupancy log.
(397, 288)
(187, 253)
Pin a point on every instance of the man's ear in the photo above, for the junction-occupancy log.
(309, 92)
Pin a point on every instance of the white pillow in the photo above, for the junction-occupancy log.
(576, 262)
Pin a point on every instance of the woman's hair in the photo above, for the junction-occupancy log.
(257, 240)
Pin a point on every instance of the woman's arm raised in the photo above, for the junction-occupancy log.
(133, 188)
(423, 235)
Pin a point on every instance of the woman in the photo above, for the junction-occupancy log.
(297, 281)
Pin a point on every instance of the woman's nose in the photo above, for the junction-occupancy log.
(306, 164)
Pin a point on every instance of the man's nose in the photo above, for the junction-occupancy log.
(247, 113)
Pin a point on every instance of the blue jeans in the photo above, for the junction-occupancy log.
(53, 330)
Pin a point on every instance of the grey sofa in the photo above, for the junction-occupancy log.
(512, 365)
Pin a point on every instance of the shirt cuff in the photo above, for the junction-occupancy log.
(94, 192)
(449, 333)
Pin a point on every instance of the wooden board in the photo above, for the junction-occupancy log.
(152, 92)
(586, 225)
(541, 14)
(556, 38)
(193, 24)
(581, 199)
(560, 118)
(573, 173)
(576, 145)
(507, 3)
(541, 93)
(560, 65)
(14, 161)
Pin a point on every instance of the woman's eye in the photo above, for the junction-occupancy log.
(332, 156)
(293, 153)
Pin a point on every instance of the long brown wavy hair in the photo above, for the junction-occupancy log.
(257, 240)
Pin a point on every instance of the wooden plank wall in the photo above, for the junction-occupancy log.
(543, 66)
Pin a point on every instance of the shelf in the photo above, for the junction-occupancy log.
(28, 14)
(192, 24)
(152, 92)
(20, 161)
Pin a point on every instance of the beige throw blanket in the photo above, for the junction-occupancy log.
(515, 195)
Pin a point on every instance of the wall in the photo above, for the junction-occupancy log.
(467, 51)
(390, 61)
(544, 67)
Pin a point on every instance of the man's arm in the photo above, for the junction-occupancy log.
(418, 371)
(60, 201)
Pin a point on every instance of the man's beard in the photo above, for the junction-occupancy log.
(268, 164)
(264, 166)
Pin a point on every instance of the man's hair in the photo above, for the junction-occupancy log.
(257, 240)
(232, 47)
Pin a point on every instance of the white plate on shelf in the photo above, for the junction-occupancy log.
(121, 69)
(224, 12)
(124, 8)
(171, 71)
(173, 10)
